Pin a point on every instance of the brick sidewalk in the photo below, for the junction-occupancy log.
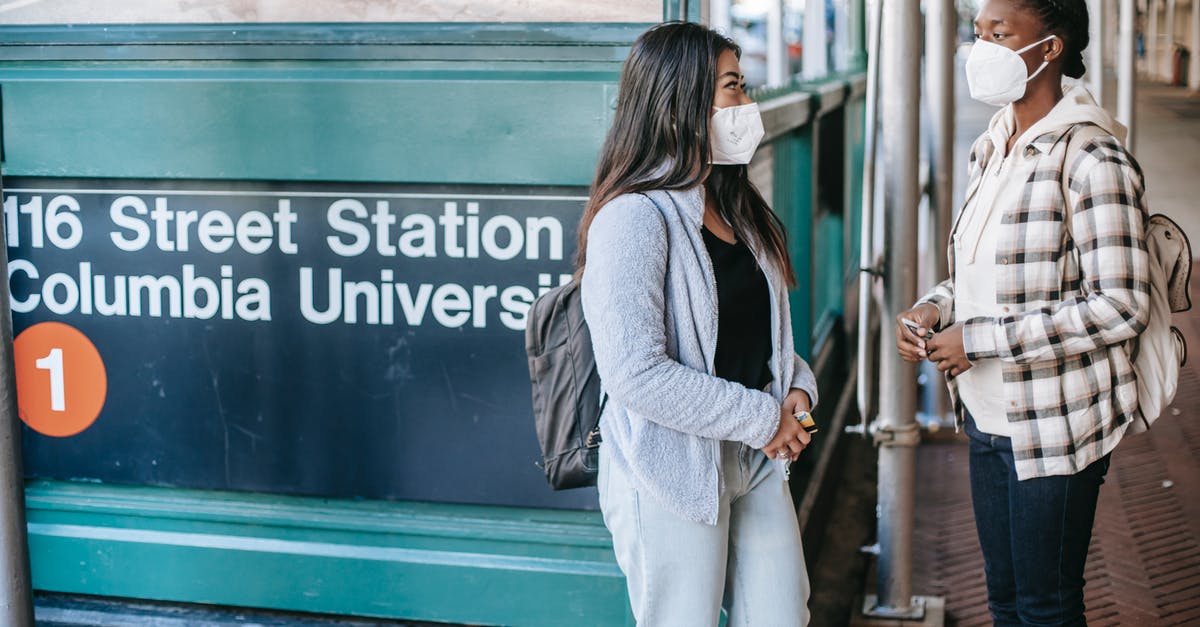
(1144, 564)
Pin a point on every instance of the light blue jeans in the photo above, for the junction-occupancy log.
(681, 572)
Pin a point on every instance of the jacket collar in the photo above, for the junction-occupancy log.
(1057, 122)
(1042, 144)
(691, 203)
(1045, 142)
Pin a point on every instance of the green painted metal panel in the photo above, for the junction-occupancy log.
(828, 259)
(315, 41)
(485, 565)
(318, 33)
(451, 131)
(420, 103)
(794, 197)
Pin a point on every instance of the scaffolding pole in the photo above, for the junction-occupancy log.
(1168, 55)
(1194, 49)
(777, 57)
(1095, 66)
(814, 61)
(940, 37)
(16, 596)
(868, 263)
(896, 429)
(856, 28)
(1152, 36)
(719, 18)
(1126, 113)
(841, 37)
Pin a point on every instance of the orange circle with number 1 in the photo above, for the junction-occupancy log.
(61, 381)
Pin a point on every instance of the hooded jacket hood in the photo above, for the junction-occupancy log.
(1076, 107)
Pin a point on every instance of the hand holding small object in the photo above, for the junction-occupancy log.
(806, 421)
(791, 438)
(913, 329)
(946, 349)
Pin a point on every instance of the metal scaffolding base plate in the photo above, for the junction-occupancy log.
(925, 611)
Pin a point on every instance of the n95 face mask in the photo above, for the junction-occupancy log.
(734, 133)
(996, 75)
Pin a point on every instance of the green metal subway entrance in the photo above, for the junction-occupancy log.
(301, 256)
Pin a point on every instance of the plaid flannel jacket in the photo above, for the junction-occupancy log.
(1073, 298)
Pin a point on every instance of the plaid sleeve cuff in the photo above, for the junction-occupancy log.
(942, 297)
(979, 338)
(945, 307)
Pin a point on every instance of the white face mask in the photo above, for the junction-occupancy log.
(734, 133)
(996, 75)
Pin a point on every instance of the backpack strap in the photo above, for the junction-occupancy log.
(593, 437)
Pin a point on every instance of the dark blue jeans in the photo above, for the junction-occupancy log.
(1034, 534)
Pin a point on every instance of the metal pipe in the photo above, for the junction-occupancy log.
(900, 58)
(867, 261)
(1152, 38)
(1126, 77)
(1112, 23)
(1095, 65)
(1168, 55)
(841, 36)
(777, 67)
(1194, 49)
(719, 18)
(940, 36)
(856, 27)
(675, 10)
(814, 62)
(1113, 27)
(16, 595)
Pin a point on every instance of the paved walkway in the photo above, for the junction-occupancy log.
(1144, 565)
(1168, 148)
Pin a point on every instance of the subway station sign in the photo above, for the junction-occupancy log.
(350, 341)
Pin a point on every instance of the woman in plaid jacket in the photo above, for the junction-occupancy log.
(1045, 292)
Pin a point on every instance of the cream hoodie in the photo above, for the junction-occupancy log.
(974, 238)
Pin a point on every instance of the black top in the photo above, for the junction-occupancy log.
(743, 314)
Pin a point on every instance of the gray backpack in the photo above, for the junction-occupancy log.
(567, 399)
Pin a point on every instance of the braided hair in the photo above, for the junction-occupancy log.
(1069, 20)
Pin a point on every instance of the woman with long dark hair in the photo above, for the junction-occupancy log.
(1050, 281)
(684, 287)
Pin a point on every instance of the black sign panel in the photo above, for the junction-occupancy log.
(320, 339)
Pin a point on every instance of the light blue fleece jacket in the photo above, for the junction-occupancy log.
(650, 300)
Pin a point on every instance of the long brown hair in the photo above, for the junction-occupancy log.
(663, 106)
